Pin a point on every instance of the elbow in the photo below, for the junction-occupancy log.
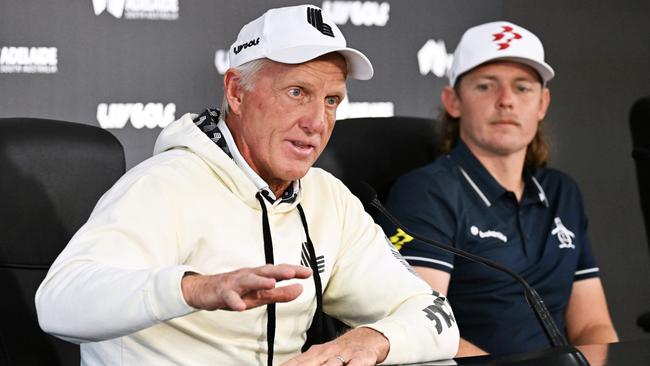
(49, 319)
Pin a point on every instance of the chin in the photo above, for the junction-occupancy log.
(296, 173)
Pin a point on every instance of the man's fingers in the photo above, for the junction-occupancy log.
(278, 294)
(284, 271)
(254, 282)
(233, 301)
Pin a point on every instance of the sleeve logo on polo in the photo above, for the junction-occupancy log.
(439, 311)
(564, 235)
(400, 238)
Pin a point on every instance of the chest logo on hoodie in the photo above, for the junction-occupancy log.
(305, 259)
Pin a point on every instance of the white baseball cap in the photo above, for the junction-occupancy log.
(293, 35)
(498, 41)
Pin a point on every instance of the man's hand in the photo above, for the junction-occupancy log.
(358, 347)
(243, 289)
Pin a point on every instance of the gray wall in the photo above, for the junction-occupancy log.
(599, 49)
(601, 53)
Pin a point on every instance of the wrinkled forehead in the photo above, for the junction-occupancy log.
(327, 69)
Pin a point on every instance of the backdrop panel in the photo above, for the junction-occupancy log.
(133, 66)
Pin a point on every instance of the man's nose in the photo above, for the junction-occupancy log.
(314, 119)
(505, 98)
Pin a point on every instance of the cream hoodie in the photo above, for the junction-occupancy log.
(116, 286)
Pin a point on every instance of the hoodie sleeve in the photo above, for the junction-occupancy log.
(119, 273)
(386, 294)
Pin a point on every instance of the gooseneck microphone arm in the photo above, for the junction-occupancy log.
(368, 195)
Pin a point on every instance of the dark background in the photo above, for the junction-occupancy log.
(600, 51)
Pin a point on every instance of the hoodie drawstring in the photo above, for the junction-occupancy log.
(317, 322)
(268, 254)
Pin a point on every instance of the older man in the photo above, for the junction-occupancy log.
(177, 263)
(491, 195)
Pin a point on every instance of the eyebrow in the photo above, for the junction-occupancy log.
(518, 79)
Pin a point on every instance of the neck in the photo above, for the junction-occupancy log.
(278, 188)
(507, 170)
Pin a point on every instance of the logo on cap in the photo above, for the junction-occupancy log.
(504, 37)
(245, 45)
(315, 18)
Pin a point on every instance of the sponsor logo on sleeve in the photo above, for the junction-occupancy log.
(400, 238)
(140, 115)
(400, 258)
(29, 60)
(366, 13)
(438, 312)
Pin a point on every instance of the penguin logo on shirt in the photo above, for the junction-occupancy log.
(564, 235)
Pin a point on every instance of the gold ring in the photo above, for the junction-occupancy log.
(340, 358)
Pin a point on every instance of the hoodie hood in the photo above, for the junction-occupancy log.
(184, 134)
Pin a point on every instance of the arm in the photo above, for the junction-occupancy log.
(365, 346)
(121, 272)
(244, 288)
(439, 280)
(372, 287)
(587, 317)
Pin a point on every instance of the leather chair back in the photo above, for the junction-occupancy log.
(52, 174)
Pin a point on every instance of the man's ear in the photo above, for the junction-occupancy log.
(544, 103)
(450, 101)
(232, 90)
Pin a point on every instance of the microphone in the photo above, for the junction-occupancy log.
(561, 352)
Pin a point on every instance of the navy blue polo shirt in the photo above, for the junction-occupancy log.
(543, 238)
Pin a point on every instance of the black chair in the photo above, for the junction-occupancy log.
(640, 130)
(51, 175)
(379, 150)
(376, 151)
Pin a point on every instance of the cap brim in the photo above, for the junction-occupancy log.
(358, 65)
(544, 69)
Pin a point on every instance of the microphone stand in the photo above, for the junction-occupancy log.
(561, 352)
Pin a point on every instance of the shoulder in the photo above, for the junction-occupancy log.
(323, 183)
(439, 177)
(171, 164)
(555, 180)
(171, 173)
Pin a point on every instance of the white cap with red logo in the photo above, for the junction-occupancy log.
(498, 41)
(295, 34)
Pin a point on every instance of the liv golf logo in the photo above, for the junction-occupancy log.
(433, 58)
(138, 9)
(29, 60)
(141, 115)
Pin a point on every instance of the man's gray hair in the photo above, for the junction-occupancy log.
(247, 77)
